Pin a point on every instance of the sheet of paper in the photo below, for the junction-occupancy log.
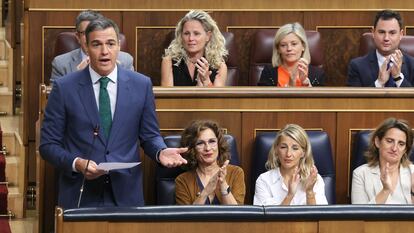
(114, 166)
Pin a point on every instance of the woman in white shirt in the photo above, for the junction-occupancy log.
(292, 178)
(388, 177)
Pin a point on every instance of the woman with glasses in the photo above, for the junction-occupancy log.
(292, 178)
(210, 178)
(387, 178)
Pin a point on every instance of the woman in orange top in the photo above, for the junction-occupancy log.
(290, 61)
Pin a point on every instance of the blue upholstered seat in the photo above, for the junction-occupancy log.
(322, 154)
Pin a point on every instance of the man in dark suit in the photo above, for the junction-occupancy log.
(118, 105)
(78, 59)
(386, 66)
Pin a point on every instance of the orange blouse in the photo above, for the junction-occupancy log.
(283, 78)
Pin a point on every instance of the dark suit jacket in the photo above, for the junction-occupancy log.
(269, 76)
(363, 71)
(71, 116)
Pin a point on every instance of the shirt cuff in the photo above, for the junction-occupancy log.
(377, 84)
(399, 82)
(157, 155)
(73, 164)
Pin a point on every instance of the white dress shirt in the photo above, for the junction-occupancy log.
(112, 87)
(271, 190)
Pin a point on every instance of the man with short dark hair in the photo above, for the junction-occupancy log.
(100, 114)
(78, 59)
(387, 66)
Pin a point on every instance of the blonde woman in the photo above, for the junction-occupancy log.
(290, 60)
(292, 178)
(196, 55)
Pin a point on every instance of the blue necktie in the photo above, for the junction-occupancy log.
(105, 106)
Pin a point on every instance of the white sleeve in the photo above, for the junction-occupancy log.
(262, 193)
(319, 190)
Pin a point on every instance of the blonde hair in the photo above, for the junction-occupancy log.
(299, 135)
(281, 33)
(215, 52)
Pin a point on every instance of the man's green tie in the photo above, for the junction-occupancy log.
(105, 106)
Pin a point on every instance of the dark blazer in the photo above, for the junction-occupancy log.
(269, 75)
(71, 116)
(363, 71)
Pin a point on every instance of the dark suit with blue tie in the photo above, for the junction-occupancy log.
(67, 130)
(363, 71)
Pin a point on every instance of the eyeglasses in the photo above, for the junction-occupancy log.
(212, 143)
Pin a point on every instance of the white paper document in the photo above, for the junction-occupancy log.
(115, 166)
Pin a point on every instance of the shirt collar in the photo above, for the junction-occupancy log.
(113, 76)
(380, 58)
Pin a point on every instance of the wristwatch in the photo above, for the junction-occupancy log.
(227, 192)
(398, 78)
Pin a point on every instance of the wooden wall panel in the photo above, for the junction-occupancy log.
(339, 48)
(219, 4)
(150, 45)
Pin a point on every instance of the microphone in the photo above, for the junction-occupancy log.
(95, 134)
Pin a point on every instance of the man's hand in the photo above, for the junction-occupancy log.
(171, 157)
(92, 172)
(396, 58)
(83, 64)
(384, 73)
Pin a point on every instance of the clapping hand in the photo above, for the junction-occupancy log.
(204, 72)
(385, 177)
(83, 63)
(396, 59)
(311, 180)
(293, 182)
(385, 71)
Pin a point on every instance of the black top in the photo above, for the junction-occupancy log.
(269, 76)
(182, 76)
(201, 187)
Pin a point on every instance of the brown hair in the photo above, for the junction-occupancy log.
(372, 155)
(190, 136)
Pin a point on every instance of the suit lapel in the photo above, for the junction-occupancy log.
(123, 96)
(88, 101)
(377, 185)
(373, 63)
(405, 179)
